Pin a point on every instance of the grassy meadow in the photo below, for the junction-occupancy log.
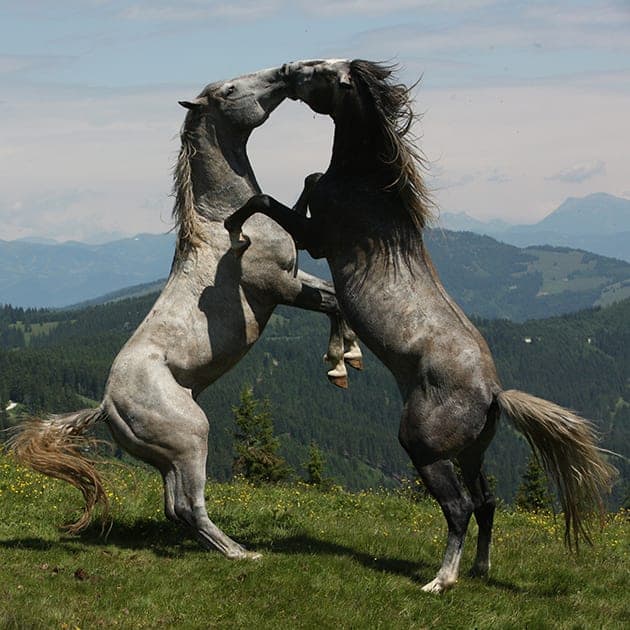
(330, 560)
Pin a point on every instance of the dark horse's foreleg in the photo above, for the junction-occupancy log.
(301, 228)
(301, 205)
(314, 294)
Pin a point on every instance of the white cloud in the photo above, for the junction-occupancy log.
(524, 133)
(13, 64)
(492, 142)
(551, 27)
(190, 11)
(578, 173)
(80, 161)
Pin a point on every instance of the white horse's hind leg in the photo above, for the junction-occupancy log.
(186, 481)
(171, 433)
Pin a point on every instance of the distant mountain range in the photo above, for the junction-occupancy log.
(494, 280)
(38, 274)
(487, 277)
(598, 223)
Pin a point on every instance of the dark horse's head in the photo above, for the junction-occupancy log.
(365, 96)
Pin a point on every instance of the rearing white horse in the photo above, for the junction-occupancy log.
(213, 308)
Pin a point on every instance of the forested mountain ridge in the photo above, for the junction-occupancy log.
(495, 280)
(59, 360)
(486, 277)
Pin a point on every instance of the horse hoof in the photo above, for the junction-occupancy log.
(339, 381)
(243, 554)
(239, 243)
(478, 572)
(435, 586)
(252, 555)
(357, 364)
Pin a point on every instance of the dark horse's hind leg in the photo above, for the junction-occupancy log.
(432, 436)
(442, 482)
(484, 502)
(471, 461)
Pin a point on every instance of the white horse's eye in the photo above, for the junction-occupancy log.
(228, 89)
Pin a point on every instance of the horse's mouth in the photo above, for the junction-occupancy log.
(290, 80)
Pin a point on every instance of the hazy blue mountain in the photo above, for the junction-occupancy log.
(39, 274)
(487, 277)
(462, 222)
(599, 213)
(598, 223)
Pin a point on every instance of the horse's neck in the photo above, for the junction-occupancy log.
(222, 177)
(356, 146)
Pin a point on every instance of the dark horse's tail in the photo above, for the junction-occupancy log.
(566, 444)
(56, 446)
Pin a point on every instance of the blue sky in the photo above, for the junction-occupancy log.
(524, 103)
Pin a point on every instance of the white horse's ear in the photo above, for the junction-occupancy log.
(345, 80)
(202, 101)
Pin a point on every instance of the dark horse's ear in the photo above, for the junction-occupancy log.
(345, 80)
(198, 102)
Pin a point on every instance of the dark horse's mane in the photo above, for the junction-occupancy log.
(394, 119)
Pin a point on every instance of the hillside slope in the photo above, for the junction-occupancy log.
(492, 279)
(581, 361)
(330, 560)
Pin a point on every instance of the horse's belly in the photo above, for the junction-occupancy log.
(214, 344)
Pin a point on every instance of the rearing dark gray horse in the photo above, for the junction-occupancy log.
(367, 215)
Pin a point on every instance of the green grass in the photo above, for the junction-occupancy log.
(334, 560)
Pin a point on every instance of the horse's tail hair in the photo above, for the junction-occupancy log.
(56, 446)
(566, 444)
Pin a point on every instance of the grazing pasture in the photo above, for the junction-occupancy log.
(335, 559)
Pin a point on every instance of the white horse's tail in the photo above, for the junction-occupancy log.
(567, 446)
(56, 446)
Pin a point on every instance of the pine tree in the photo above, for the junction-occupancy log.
(4, 417)
(533, 493)
(315, 467)
(257, 457)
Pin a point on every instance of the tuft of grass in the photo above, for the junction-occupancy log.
(333, 559)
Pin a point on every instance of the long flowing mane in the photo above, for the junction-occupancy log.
(394, 118)
(189, 235)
